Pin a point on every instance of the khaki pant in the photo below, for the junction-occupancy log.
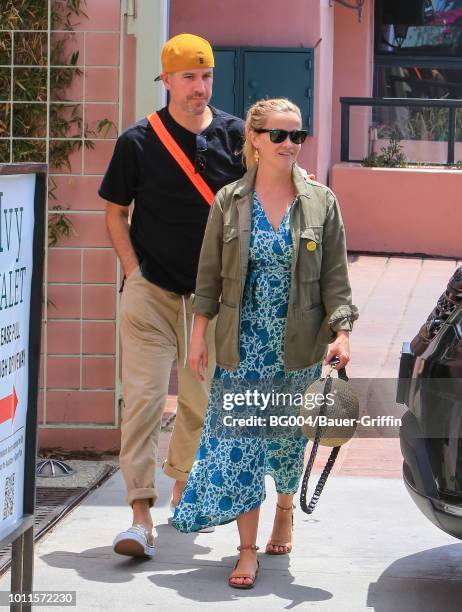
(152, 329)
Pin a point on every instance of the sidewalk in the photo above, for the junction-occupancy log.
(366, 547)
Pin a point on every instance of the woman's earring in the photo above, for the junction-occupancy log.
(256, 155)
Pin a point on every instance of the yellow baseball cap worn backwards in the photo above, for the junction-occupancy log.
(186, 52)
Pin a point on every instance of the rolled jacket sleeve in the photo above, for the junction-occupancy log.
(208, 282)
(343, 318)
(335, 285)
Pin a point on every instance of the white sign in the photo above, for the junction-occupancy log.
(17, 194)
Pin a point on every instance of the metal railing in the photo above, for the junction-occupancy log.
(418, 103)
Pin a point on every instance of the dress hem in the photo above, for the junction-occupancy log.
(214, 523)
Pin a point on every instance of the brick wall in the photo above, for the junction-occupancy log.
(78, 404)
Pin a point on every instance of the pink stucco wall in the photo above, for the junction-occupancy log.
(323, 90)
(400, 210)
(353, 62)
(244, 22)
(343, 52)
(299, 23)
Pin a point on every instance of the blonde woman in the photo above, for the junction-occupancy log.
(273, 266)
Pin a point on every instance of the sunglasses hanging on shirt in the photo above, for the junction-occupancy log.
(200, 161)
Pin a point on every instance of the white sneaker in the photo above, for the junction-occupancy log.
(209, 529)
(135, 542)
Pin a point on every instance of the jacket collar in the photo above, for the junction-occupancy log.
(247, 183)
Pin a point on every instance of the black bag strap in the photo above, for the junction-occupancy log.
(308, 508)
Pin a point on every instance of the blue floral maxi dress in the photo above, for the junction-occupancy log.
(228, 475)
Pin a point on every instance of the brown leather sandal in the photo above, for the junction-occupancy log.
(252, 577)
(287, 545)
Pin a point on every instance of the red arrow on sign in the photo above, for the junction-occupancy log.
(8, 407)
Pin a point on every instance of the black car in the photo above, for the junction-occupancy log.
(430, 384)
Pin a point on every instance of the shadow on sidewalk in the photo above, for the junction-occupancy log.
(194, 578)
(426, 581)
(209, 583)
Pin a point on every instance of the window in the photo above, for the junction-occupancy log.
(418, 49)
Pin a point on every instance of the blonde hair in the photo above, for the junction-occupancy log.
(256, 119)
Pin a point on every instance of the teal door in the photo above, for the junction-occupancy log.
(224, 81)
(278, 74)
(244, 75)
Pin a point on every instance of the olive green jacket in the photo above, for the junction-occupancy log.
(319, 295)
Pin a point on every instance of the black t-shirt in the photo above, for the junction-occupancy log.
(170, 215)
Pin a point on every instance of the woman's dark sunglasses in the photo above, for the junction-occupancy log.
(278, 136)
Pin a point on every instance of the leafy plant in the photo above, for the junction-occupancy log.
(426, 123)
(58, 225)
(68, 133)
(391, 156)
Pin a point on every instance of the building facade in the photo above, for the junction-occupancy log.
(363, 48)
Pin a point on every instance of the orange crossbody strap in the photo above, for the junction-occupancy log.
(180, 157)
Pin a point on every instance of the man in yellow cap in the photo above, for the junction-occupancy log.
(159, 253)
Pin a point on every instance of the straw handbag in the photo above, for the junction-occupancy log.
(340, 411)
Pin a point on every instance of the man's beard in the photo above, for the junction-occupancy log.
(191, 105)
